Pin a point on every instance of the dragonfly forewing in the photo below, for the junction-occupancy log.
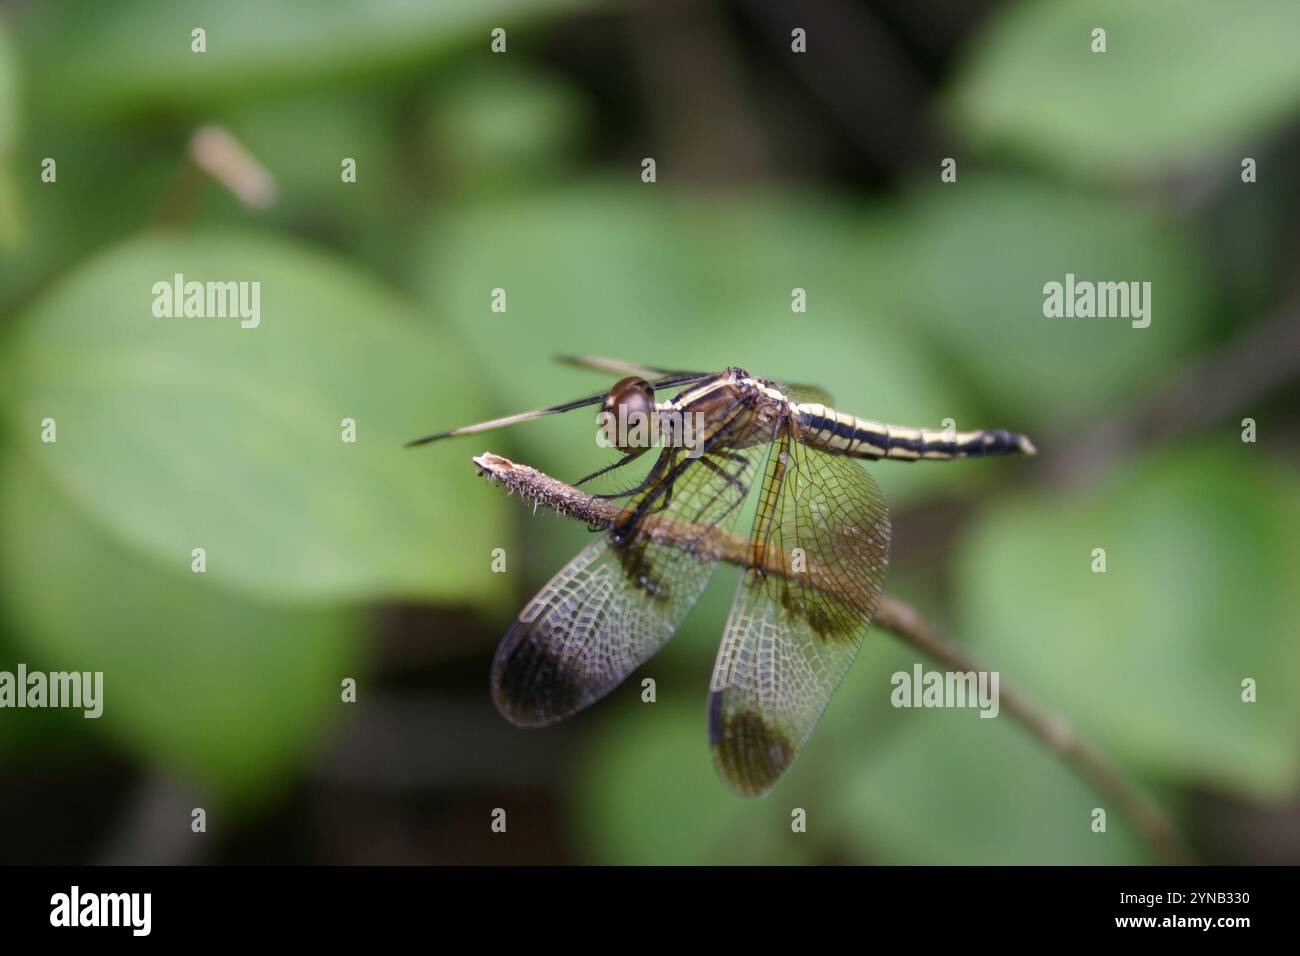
(619, 601)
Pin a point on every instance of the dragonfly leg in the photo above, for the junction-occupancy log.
(727, 476)
(629, 457)
(658, 489)
(641, 486)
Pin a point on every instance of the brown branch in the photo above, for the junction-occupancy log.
(1149, 820)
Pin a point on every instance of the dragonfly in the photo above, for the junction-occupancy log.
(820, 519)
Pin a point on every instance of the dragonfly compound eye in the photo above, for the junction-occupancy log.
(629, 410)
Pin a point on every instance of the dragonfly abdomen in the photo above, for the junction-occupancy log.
(846, 434)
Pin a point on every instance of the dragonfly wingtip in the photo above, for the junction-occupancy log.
(425, 439)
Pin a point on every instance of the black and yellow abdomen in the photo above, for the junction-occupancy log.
(845, 434)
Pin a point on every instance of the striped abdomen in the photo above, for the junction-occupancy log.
(847, 434)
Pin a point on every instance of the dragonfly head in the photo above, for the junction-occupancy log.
(628, 412)
(631, 401)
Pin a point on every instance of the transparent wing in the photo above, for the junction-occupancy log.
(811, 394)
(619, 601)
(660, 377)
(792, 637)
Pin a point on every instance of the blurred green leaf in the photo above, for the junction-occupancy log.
(649, 796)
(501, 127)
(110, 184)
(177, 433)
(227, 693)
(1202, 553)
(972, 269)
(954, 788)
(10, 221)
(30, 735)
(101, 59)
(302, 140)
(1182, 82)
(8, 90)
(877, 784)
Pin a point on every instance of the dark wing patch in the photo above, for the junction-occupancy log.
(790, 639)
(619, 601)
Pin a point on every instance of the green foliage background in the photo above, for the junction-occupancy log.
(478, 171)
